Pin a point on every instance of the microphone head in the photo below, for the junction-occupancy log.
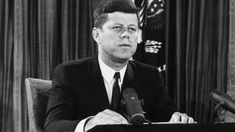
(128, 91)
(223, 100)
(133, 106)
(216, 97)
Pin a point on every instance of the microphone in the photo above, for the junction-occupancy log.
(223, 100)
(133, 107)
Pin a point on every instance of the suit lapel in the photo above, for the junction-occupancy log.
(97, 84)
(131, 79)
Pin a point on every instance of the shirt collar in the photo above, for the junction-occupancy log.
(108, 73)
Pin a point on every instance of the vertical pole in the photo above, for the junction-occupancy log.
(231, 56)
(18, 64)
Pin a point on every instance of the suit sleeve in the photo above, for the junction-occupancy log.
(60, 110)
(163, 107)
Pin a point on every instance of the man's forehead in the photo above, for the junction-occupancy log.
(123, 17)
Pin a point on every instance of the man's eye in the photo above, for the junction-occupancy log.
(117, 28)
(132, 29)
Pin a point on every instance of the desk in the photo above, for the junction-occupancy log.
(219, 127)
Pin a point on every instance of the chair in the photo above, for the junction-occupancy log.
(37, 99)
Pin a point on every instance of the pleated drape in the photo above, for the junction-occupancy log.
(35, 36)
(197, 45)
(6, 64)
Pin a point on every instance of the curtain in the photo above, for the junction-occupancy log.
(6, 65)
(196, 46)
(35, 36)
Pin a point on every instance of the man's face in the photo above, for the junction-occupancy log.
(117, 39)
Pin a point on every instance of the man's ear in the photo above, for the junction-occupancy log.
(96, 34)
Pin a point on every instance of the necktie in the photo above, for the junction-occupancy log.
(116, 95)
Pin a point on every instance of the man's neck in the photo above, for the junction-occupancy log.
(116, 65)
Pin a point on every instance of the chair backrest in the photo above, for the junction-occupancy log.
(37, 99)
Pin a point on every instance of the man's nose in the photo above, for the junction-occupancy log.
(125, 33)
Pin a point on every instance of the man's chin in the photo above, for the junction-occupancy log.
(123, 59)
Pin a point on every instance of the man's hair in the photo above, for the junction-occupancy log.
(110, 6)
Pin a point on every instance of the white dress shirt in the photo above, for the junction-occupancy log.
(108, 74)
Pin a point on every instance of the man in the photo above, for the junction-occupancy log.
(81, 97)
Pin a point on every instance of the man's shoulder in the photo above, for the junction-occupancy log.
(140, 66)
(78, 63)
(146, 72)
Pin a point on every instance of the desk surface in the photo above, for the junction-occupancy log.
(220, 127)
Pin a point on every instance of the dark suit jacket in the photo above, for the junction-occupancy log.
(79, 91)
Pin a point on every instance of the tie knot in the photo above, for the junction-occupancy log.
(116, 75)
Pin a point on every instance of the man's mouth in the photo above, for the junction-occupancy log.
(124, 45)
